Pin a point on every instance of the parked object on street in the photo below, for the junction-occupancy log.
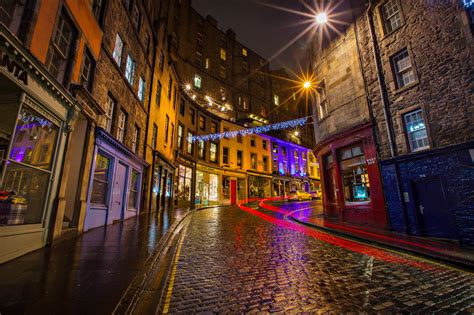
(299, 195)
(315, 194)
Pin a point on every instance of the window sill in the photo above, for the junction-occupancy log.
(406, 87)
(387, 35)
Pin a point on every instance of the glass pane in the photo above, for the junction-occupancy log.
(355, 179)
(34, 141)
(23, 195)
(100, 187)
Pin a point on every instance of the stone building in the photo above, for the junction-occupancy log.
(407, 101)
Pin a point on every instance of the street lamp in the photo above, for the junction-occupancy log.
(321, 18)
(307, 84)
(297, 133)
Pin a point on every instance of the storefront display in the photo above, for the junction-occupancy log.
(354, 175)
(185, 175)
(259, 187)
(206, 188)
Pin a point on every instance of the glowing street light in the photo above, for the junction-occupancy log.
(307, 84)
(297, 133)
(321, 18)
(188, 87)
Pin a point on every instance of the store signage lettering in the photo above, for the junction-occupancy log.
(14, 68)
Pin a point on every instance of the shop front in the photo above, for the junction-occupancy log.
(36, 115)
(207, 186)
(233, 187)
(115, 191)
(185, 174)
(259, 186)
(162, 183)
(352, 190)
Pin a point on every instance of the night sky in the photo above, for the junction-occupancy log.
(261, 28)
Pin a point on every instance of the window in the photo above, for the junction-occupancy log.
(130, 69)
(175, 97)
(265, 163)
(180, 136)
(162, 61)
(223, 54)
(136, 16)
(154, 136)
(275, 164)
(264, 144)
(239, 138)
(213, 127)
(147, 43)
(283, 151)
(222, 93)
(98, 10)
(170, 87)
(403, 69)
(225, 155)
(252, 141)
(276, 100)
(141, 89)
(136, 139)
(244, 52)
(172, 135)
(226, 130)
(245, 103)
(134, 190)
(181, 107)
(416, 130)
(245, 65)
(159, 87)
(213, 152)
(239, 159)
(202, 122)
(199, 58)
(391, 15)
(253, 161)
(197, 81)
(60, 48)
(190, 148)
(263, 111)
(275, 148)
(167, 125)
(323, 103)
(122, 122)
(101, 185)
(87, 72)
(191, 115)
(207, 63)
(199, 39)
(223, 72)
(109, 113)
(201, 149)
(354, 174)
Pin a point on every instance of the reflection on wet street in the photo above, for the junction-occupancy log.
(252, 259)
(84, 275)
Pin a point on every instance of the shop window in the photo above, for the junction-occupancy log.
(240, 161)
(225, 155)
(202, 122)
(130, 69)
(253, 161)
(60, 49)
(101, 184)
(213, 152)
(252, 141)
(225, 187)
(121, 125)
(87, 71)
(28, 169)
(391, 16)
(154, 136)
(141, 89)
(416, 130)
(180, 136)
(170, 87)
(190, 148)
(159, 87)
(184, 183)
(403, 69)
(354, 174)
(136, 139)
(201, 149)
(134, 190)
(109, 113)
(265, 163)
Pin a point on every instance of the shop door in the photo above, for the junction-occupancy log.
(118, 192)
(436, 220)
(233, 192)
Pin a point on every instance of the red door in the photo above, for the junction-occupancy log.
(233, 192)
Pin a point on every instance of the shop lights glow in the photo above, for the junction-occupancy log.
(255, 130)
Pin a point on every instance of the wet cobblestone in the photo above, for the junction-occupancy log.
(232, 261)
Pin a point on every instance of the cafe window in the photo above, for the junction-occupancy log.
(134, 189)
(354, 174)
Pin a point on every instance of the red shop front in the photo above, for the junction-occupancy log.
(350, 178)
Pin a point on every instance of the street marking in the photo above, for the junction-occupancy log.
(166, 305)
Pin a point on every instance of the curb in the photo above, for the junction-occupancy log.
(464, 264)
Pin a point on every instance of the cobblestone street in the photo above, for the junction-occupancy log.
(251, 259)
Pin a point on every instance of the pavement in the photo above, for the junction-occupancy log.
(442, 250)
(88, 274)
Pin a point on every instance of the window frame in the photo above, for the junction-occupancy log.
(130, 71)
(412, 110)
(396, 74)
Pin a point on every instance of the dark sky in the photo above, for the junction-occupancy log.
(263, 29)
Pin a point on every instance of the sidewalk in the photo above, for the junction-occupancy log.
(437, 250)
(88, 274)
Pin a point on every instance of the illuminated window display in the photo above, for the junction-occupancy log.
(134, 190)
(354, 175)
(28, 169)
(100, 187)
(259, 187)
(185, 175)
(206, 188)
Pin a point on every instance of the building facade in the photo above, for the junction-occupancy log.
(399, 117)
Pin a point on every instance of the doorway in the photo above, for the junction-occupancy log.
(118, 194)
(233, 192)
(435, 217)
